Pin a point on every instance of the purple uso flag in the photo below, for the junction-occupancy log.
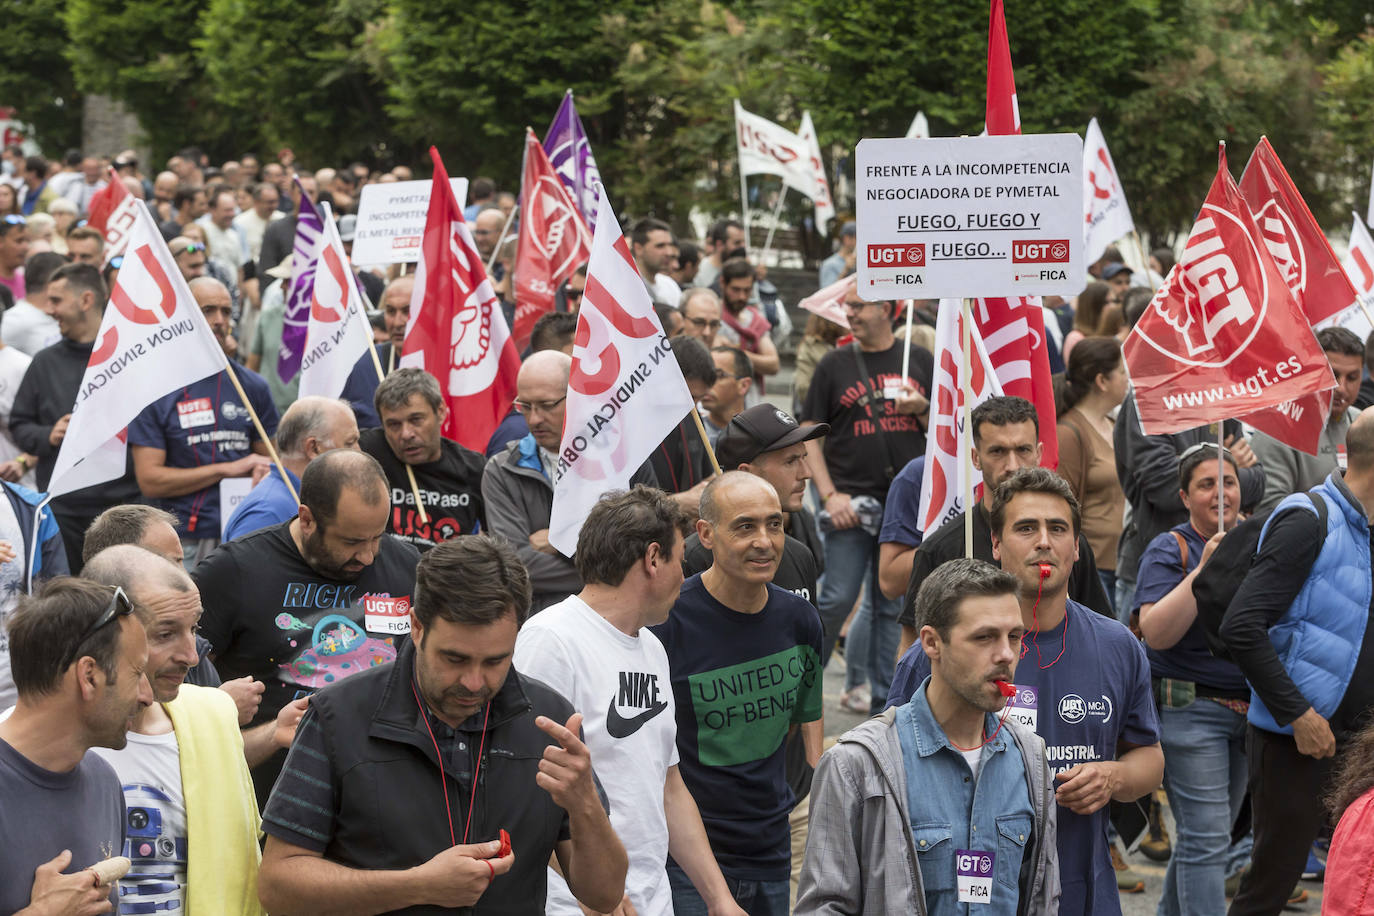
(309, 228)
(571, 157)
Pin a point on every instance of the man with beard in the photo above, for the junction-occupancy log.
(355, 824)
(314, 600)
(186, 782)
(184, 443)
(724, 240)
(922, 753)
(79, 662)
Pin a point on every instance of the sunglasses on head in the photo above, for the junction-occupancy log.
(119, 606)
(14, 219)
(193, 247)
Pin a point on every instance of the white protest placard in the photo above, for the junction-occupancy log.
(970, 217)
(232, 491)
(391, 220)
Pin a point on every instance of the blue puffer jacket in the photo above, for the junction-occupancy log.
(1318, 639)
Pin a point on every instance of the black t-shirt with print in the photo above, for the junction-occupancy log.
(857, 455)
(451, 488)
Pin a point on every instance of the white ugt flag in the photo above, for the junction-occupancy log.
(948, 443)
(153, 340)
(338, 333)
(766, 148)
(820, 185)
(626, 392)
(1106, 217)
(1358, 265)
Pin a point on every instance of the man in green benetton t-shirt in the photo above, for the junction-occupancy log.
(745, 662)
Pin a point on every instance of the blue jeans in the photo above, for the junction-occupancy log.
(851, 561)
(1108, 579)
(1125, 598)
(858, 643)
(1204, 776)
(757, 898)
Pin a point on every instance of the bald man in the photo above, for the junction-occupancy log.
(486, 233)
(745, 661)
(517, 485)
(361, 387)
(185, 443)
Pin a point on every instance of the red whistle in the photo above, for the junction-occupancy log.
(505, 845)
(1007, 689)
(1044, 570)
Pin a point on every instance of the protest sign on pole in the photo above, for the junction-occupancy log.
(626, 392)
(456, 331)
(553, 241)
(391, 220)
(339, 333)
(570, 154)
(959, 385)
(1223, 337)
(1106, 215)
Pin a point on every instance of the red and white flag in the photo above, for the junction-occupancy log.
(554, 240)
(1305, 259)
(626, 392)
(1358, 265)
(1223, 337)
(153, 340)
(820, 187)
(948, 443)
(456, 330)
(828, 302)
(1003, 113)
(1106, 216)
(766, 148)
(338, 333)
(112, 213)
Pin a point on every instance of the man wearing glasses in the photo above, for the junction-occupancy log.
(81, 657)
(701, 315)
(518, 484)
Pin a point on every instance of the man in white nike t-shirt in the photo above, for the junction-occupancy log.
(595, 650)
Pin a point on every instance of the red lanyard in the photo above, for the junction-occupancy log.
(1035, 629)
(443, 781)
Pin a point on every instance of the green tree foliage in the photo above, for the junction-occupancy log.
(1346, 104)
(35, 79)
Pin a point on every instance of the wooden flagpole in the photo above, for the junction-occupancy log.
(410, 471)
(262, 433)
(1221, 476)
(1144, 260)
(706, 441)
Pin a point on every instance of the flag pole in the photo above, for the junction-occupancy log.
(410, 471)
(744, 200)
(262, 433)
(510, 217)
(706, 441)
(965, 392)
(773, 226)
(1221, 477)
(906, 351)
(1145, 261)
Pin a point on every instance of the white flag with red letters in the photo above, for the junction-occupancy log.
(626, 392)
(1106, 216)
(152, 341)
(338, 332)
(820, 186)
(1358, 265)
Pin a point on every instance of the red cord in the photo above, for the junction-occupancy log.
(986, 737)
(1035, 627)
(443, 781)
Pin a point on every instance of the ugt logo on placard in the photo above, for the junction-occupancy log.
(1215, 299)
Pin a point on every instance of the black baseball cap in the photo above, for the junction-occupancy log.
(761, 428)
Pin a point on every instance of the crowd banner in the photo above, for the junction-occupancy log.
(112, 214)
(456, 330)
(1304, 258)
(296, 320)
(1223, 336)
(626, 392)
(571, 156)
(153, 340)
(766, 148)
(1106, 215)
(554, 240)
(339, 333)
(920, 127)
(820, 185)
(948, 442)
(391, 220)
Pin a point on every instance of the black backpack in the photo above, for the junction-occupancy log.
(1217, 582)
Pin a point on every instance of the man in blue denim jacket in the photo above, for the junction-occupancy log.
(950, 804)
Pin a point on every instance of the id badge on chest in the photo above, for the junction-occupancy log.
(195, 412)
(1024, 706)
(973, 868)
(385, 615)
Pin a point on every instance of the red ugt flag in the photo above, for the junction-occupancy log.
(553, 240)
(1003, 114)
(456, 331)
(1223, 337)
(104, 202)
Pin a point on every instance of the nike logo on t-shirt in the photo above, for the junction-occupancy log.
(617, 726)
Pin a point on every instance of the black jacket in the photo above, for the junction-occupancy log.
(390, 813)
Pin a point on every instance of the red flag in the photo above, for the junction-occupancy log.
(1224, 336)
(457, 332)
(553, 240)
(1305, 259)
(105, 201)
(1003, 115)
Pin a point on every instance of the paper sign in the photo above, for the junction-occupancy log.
(391, 220)
(232, 491)
(974, 870)
(970, 217)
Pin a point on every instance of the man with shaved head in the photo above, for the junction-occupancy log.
(312, 601)
(184, 443)
(361, 387)
(517, 485)
(183, 769)
(745, 662)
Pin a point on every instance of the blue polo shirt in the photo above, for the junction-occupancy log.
(203, 423)
(267, 504)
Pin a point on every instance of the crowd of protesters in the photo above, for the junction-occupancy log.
(289, 705)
